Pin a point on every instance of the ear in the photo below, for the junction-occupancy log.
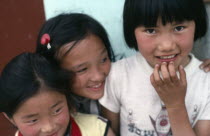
(10, 119)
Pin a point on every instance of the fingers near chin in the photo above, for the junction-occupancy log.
(172, 71)
(164, 71)
(152, 80)
(182, 74)
(154, 83)
(156, 74)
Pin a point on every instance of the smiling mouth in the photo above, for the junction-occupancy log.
(96, 86)
(167, 58)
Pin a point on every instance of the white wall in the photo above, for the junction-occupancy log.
(109, 13)
(202, 47)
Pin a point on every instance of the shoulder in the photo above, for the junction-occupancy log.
(124, 65)
(126, 61)
(91, 124)
(192, 69)
(81, 117)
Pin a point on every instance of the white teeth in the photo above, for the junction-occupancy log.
(96, 86)
(167, 57)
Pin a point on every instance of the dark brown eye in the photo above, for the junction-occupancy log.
(151, 31)
(81, 70)
(104, 60)
(179, 28)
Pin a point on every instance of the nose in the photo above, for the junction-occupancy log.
(166, 43)
(97, 74)
(48, 126)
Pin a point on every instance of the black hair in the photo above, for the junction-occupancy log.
(23, 77)
(66, 28)
(146, 13)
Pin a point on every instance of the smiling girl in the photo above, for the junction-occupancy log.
(80, 44)
(35, 98)
(154, 95)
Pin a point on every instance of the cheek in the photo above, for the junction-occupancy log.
(107, 68)
(79, 84)
(29, 130)
(146, 50)
(145, 43)
(64, 118)
(143, 39)
(186, 43)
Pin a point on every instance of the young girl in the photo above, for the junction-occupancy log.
(150, 98)
(35, 97)
(79, 43)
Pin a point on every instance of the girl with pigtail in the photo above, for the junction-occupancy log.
(78, 43)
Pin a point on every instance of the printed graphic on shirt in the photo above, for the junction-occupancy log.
(194, 115)
(134, 129)
(161, 125)
(131, 125)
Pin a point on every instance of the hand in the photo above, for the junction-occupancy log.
(170, 88)
(205, 65)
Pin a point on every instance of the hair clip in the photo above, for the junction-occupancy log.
(46, 40)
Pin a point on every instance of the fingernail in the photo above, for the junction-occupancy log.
(206, 69)
(163, 63)
(201, 67)
(181, 67)
(171, 62)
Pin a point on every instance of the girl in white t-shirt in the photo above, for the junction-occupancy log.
(143, 93)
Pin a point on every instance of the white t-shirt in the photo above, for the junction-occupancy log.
(128, 91)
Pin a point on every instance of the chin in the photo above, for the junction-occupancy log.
(97, 97)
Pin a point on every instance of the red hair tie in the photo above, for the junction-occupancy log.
(45, 40)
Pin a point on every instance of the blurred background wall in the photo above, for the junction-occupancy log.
(202, 47)
(109, 13)
(20, 21)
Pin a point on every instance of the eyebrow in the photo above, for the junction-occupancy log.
(59, 102)
(29, 116)
(104, 50)
(78, 66)
(81, 65)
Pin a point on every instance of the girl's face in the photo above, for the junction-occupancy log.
(45, 114)
(172, 42)
(89, 60)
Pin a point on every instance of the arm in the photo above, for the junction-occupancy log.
(172, 91)
(113, 117)
(179, 121)
(110, 132)
(202, 128)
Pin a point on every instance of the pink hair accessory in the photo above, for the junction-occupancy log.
(45, 40)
